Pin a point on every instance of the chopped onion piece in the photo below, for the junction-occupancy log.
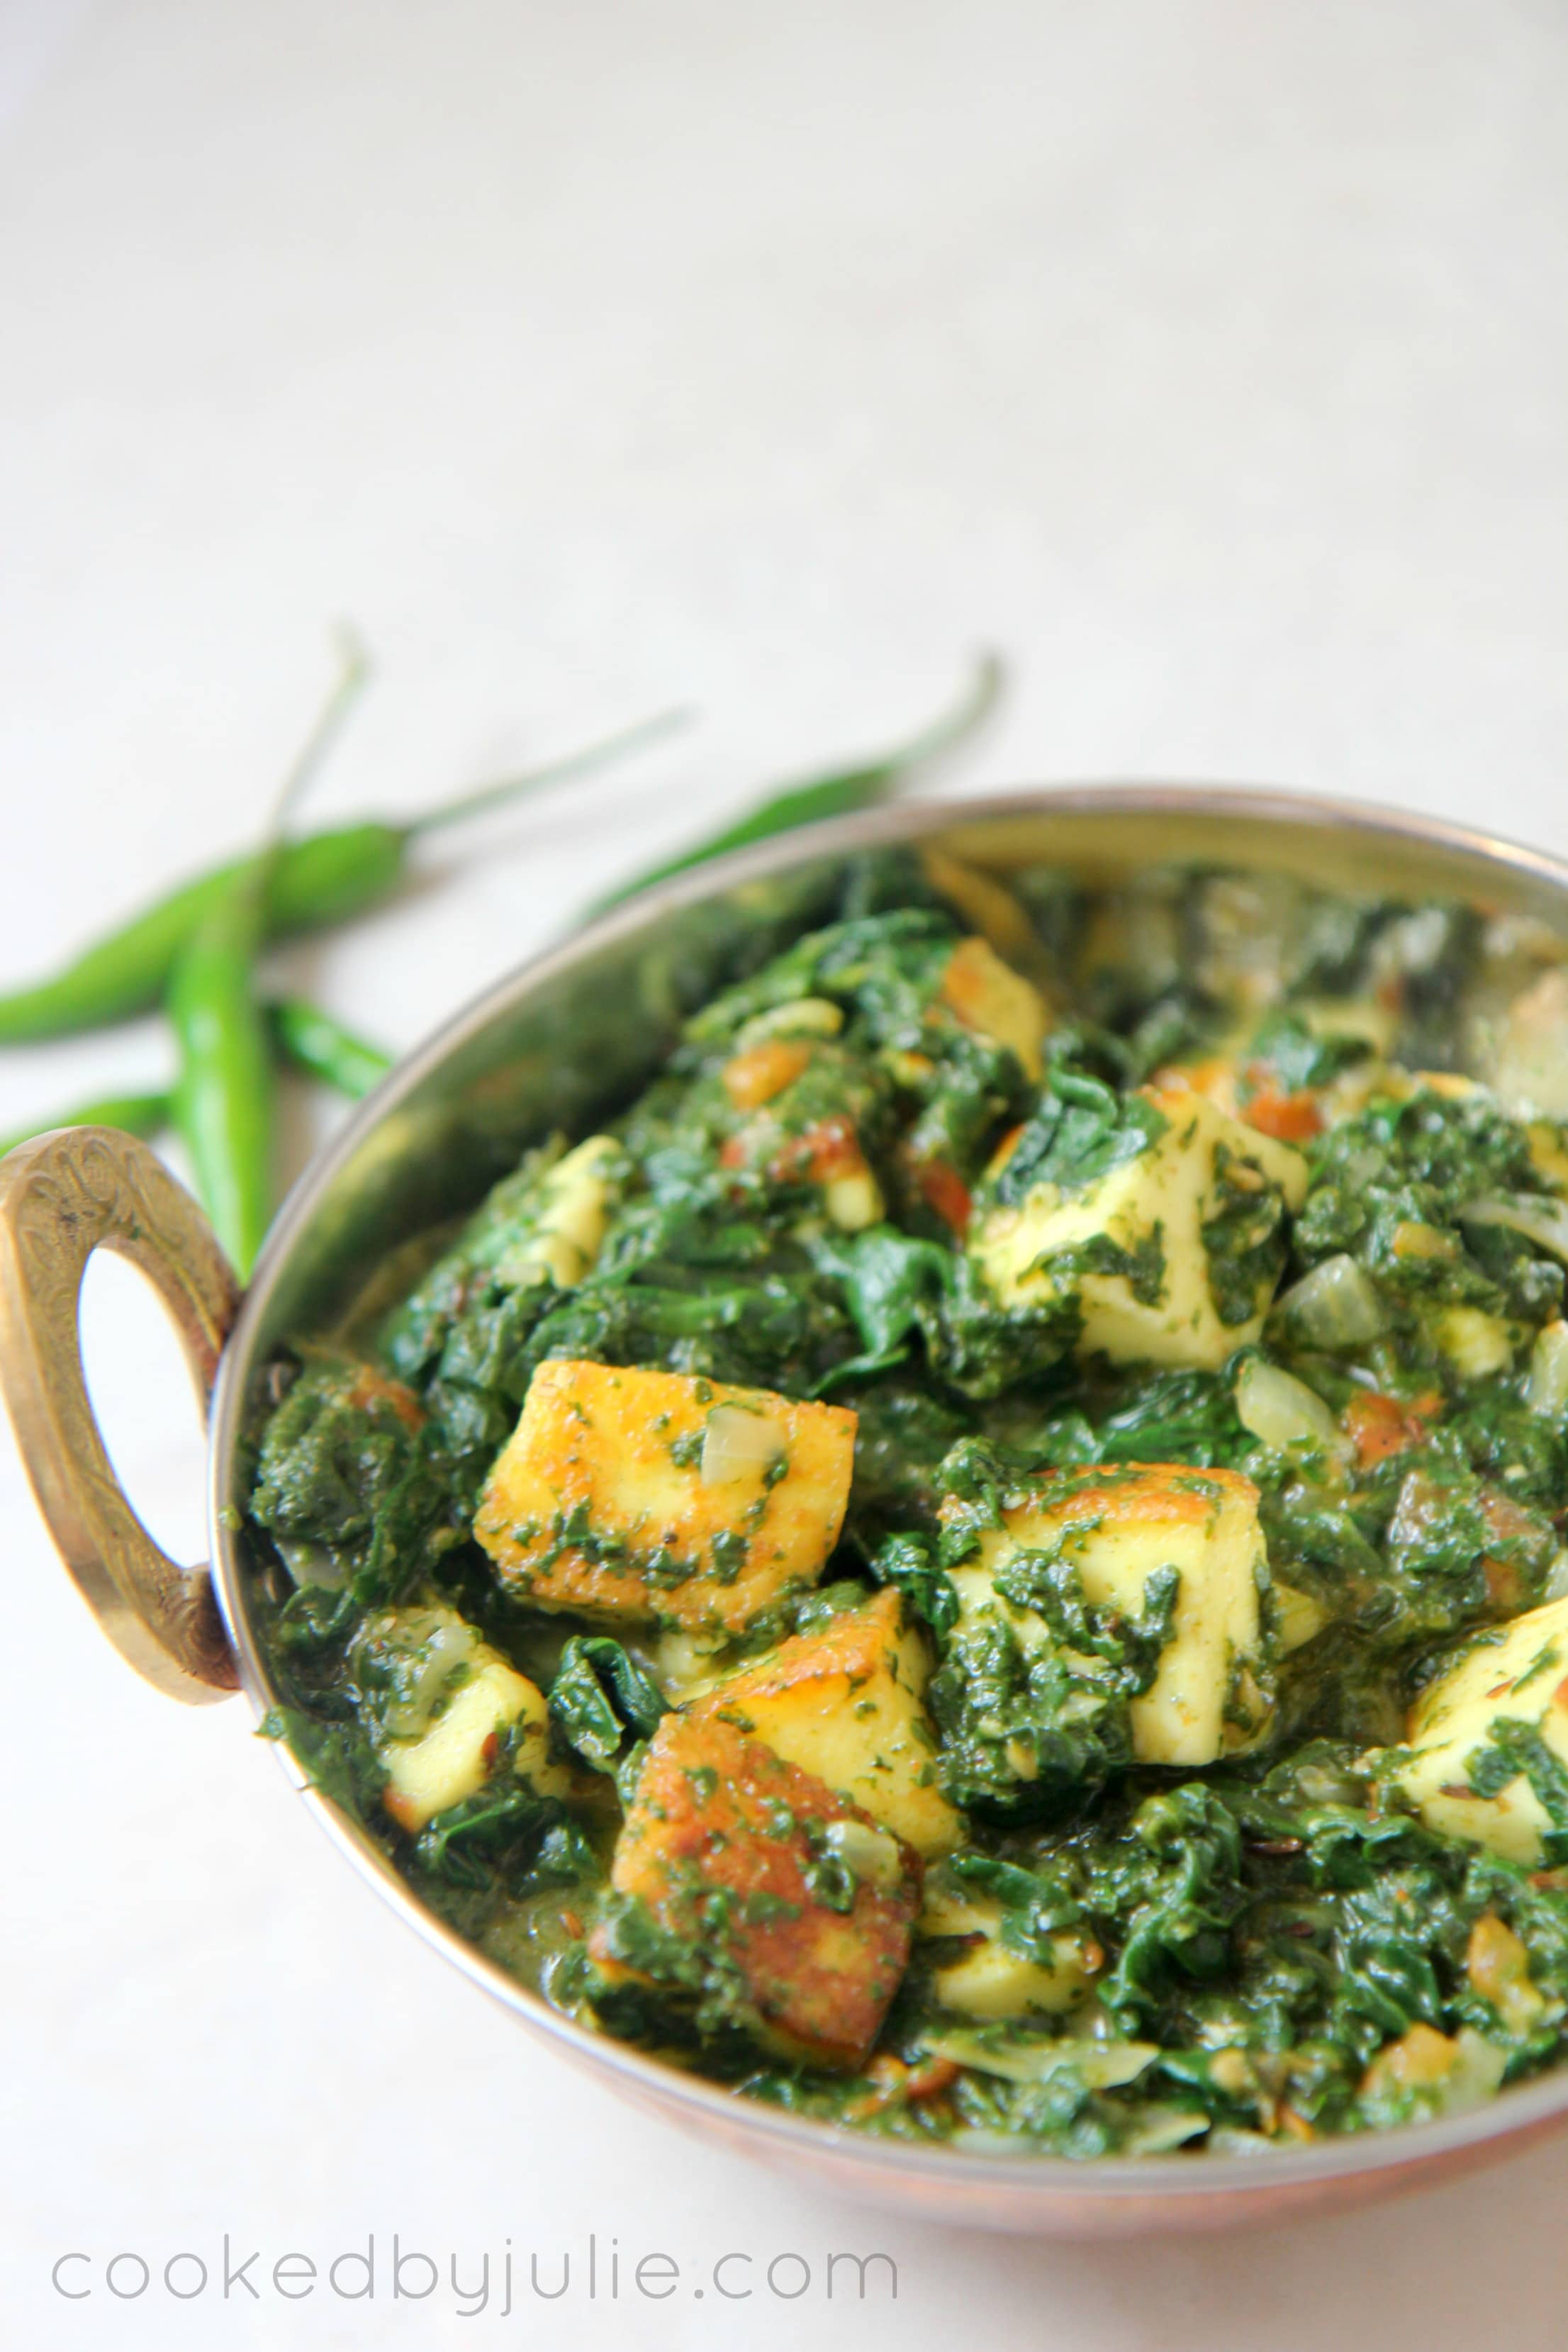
(1538, 1220)
(1531, 1071)
(869, 1854)
(1159, 2129)
(1546, 1390)
(1556, 1585)
(1282, 1411)
(443, 1646)
(310, 1564)
(737, 1444)
(803, 1016)
(1330, 1784)
(1336, 1305)
(1098, 2066)
(1476, 2073)
(1300, 1618)
(1358, 1169)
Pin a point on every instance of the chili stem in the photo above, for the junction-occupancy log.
(145, 1115)
(319, 878)
(840, 790)
(555, 771)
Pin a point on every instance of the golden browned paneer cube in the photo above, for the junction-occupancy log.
(1507, 1685)
(846, 1701)
(648, 1497)
(1116, 1527)
(743, 1890)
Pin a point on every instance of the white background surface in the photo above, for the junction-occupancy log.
(1212, 359)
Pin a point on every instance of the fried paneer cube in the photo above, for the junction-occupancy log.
(1171, 1255)
(446, 1707)
(629, 1496)
(1472, 1731)
(990, 1981)
(1116, 1529)
(846, 1702)
(572, 1215)
(457, 1755)
(744, 1895)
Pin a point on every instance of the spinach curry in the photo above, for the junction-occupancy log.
(985, 1560)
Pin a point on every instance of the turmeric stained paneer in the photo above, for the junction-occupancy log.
(457, 1754)
(982, 1556)
(574, 1202)
(1167, 1254)
(746, 1897)
(988, 1978)
(1104, 1618)
(633, 1496)
(1177, 1548)
(449, 1711)
(1487, 1738)
(847, 1702)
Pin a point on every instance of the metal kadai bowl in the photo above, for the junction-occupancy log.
(559, 1045)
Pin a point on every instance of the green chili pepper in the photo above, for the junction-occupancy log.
(317, 880)
(302, 1034)
(146, 1115)
(202, 942)
(223, 1095)
(324, 1049)
(838, 793)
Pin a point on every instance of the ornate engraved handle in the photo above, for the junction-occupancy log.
(61, 1197)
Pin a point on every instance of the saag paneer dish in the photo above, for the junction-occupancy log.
(985, 1560)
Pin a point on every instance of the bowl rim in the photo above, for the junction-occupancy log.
(1056, 2181)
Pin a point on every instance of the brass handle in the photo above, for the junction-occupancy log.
(62, 1196)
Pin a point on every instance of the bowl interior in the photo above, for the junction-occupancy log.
(564, 1043)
